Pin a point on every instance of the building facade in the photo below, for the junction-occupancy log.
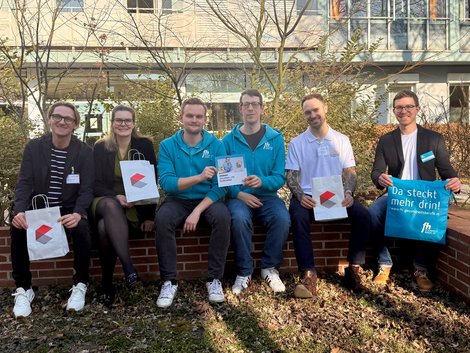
(94, 49)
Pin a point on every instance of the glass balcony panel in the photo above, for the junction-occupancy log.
(361, 26)
(464, 37)
(399, 35)
(417, 36)
(378, 31)
(437, 36)
(338, 35)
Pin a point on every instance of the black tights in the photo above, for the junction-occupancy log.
(113, 239)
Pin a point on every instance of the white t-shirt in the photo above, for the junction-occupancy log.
(315, 157)
(410, 167)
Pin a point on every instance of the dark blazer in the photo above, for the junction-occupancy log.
(104, 171)
(389, 156)
(35, 171)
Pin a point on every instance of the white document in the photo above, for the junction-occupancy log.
(328, 194)
(139, 181)
(231, 170)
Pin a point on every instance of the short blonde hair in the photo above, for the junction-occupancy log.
(76, 114)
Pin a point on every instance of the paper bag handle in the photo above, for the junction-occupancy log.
(44, 199)
(133, 153)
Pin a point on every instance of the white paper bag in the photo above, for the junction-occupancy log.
(328, 194)
(45, 235)
(139, 181)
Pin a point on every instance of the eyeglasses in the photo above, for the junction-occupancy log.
(126, 122)
(58, 118)
(408, 108)
(253, 104)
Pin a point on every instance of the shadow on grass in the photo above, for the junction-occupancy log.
(231, 325)
(422, 318)
(250, 332)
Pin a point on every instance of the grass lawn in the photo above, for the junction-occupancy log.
(397, 318)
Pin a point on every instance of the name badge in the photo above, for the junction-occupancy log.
(73, 179)
(426, 157)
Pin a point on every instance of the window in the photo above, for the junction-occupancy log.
(379, 8)
(337, 9)
(172, 6)
(312, 8)
(70, 5)
(458, 102)
(140, 6)
(465, 10)
(93, 123)
(223, 116)
(215, 82)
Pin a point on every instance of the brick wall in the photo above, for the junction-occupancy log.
(453, 267)
(330, 244)
(330, 241)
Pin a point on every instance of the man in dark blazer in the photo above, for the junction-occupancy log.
(409, 152)
(59, 166)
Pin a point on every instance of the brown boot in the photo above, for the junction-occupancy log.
(424, 283)
(351, 279)
(382, 276)
(307, 288)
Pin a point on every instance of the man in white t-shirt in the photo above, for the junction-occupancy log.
(404, 153)
(318, 152)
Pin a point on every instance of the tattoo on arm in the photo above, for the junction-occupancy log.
(292, 178)
(350, 178)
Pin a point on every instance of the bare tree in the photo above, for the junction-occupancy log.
(167, 40)
(31, 56)
(270, 27)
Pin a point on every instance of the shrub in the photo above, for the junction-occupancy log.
(11, 151)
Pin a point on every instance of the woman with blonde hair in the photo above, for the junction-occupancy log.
(114, 217)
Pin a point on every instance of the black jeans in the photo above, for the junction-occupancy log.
(300, 226)
(81, 244)
(172, 214)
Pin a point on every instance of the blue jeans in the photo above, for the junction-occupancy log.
(377, 212)
(274, 216)
(301, 228)
(425, 253)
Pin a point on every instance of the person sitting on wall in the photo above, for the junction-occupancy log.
(114, 217)
(264, 154)
(186, 164)
(321, 151)
(59, 166)
(400, 154)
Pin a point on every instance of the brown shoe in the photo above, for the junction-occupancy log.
(351, 279)
(307, 288)
(382, 276)
(424, 283)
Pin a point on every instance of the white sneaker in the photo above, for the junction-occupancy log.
(23, 301)
(216, 294)
(76, 301)
(241, 284)
(167, 294)
(271, 276)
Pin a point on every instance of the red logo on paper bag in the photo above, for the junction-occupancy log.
(136, 180)
(325, 199)
(41, 234)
